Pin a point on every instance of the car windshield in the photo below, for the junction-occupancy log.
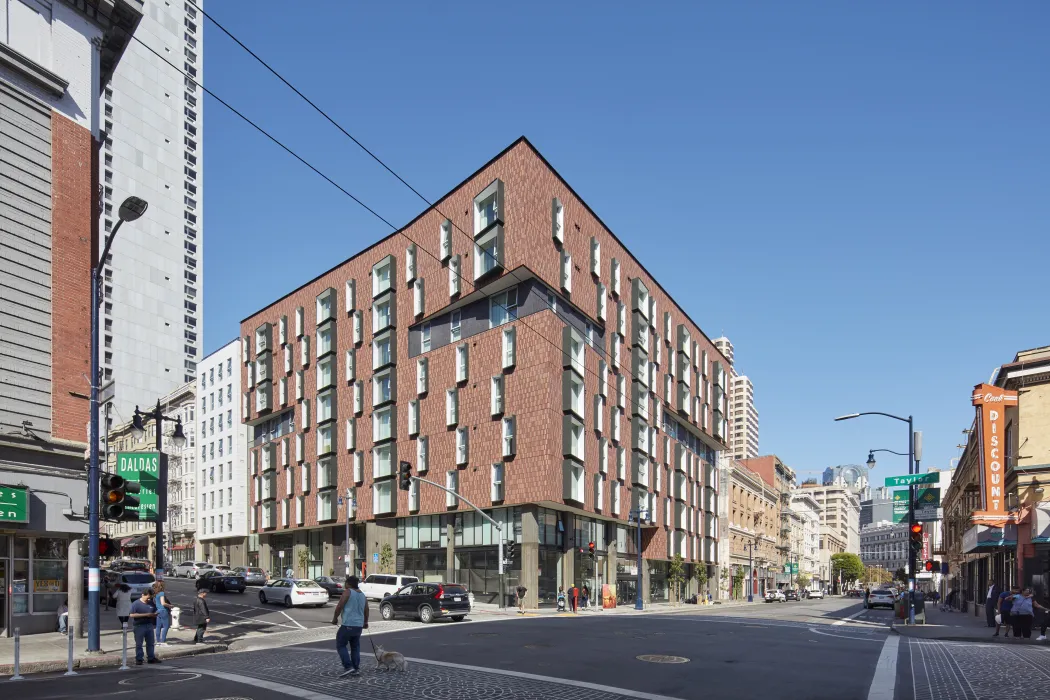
(409, 579)
(455, 589)
(306, 584)
(138, 578)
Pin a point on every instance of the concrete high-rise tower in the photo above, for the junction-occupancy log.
(743, 416)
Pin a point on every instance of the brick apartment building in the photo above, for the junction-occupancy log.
(55, 58)
(509, 347)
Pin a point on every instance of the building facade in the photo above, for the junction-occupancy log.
(55, 59)
(743, 416)
(806, 508)
(884, 544)
(517, 354)
(996, 510)
(839, 523)
(222, 490)
(754, 531)
(138, 538)
(152, 124)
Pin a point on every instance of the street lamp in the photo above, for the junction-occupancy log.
(178, 439)
(871, 455)
(637, 514)
(751, 569)
(131, 209)
(911, 494)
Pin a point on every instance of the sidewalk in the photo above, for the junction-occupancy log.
(958, 627)
(42, 653)
(493, 609)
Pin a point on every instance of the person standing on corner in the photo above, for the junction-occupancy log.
(201, 615)
(991, 601)
(520, 591)
(1022, 613)
(574, 598)
(160, 599)
(351, 614)
(144, 616)
(122, 600)
(585, 596)
(1006, 603)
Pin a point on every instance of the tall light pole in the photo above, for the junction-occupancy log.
(751, 569)
(138, 430)
(911, 497)
(637, 514)
(131, 209)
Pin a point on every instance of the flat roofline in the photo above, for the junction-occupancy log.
(520, 140)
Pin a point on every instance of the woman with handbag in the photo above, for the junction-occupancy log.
(1022, 613)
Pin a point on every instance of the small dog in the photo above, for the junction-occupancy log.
(391, 660)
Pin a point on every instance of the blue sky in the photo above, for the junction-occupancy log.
(856, 194)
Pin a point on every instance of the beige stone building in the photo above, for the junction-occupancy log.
(754, 531)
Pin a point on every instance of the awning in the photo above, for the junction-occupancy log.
(135, 541)
(1040, 523)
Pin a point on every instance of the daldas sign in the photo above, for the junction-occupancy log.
(991, 403)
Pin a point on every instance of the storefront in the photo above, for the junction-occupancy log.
(551, 535)
(476, 556)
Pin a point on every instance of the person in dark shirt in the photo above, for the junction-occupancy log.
(201, 615)
(144, 617)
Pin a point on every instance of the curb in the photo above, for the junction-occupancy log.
(105, 660)
(903, 631)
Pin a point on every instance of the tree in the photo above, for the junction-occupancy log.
(386, 559)
(802, 581)
(676, 575)
(900, 575)
(848, 565)
(700, 574)
(304, 560)
(738, 583)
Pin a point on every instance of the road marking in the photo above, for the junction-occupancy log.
(550, 679)
(884, 681)
(292, 619)
(267, 685)
(842, 636)
(848, 618)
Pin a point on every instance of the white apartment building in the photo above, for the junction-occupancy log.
(153, 282)
(885, 545)
(743, 416)
(138, 538)
(839, 522)
(223, 484)
(808, 511)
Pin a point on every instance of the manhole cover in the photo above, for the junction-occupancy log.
(662, 659)
(484, 634)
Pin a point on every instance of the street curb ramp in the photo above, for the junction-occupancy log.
(107, 659)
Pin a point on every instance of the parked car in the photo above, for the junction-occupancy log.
(819, 593)
(879, 597)
(332, 584)
(253, 575)
(775, 596)
(191, 569)
(137, 581)
(378, 586)
(292, 591)
(215, 580)
(223, 567)
(130, 565)
(790, 594)
(427, 601)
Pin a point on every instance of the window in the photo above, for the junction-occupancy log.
(454, 275)
(510, 443)
(383, 500)
(572, 437)
(573, 481)
(304, 351)
(572, 350)
(413, 417)
(596, 256)
(418, 297)
(351, 434)
(616, 277)
(358, 327)
(421, 455)
(383, 276)
(382, 461)
(324, 440)
(324, 407)
(410, 263)
(462, 445)
(496, 490)
(557, 220)
(350, 296)
(602, 302)
(422, 384)
(351, 367)
(496, 395)
(359, 396)
(325, 374)
(503, 307)
(456, 328)
(325, 340)
(326, 306)
(510, 344)
(413, 496)
(572, 393)
(446, 240)
(424, 338)
(603, 455)
(452, 407)
(452, 483)
(299, 322)
(383, 387)
(382, 351)
(566, 271)
(599, 414)
(462, 363)
(382, 424)
(382, 314)
(488, 253)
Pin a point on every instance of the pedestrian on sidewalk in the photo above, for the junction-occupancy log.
(990, 602)
(1006, 603)
(1022, 613)
(351, 614)
(574, 598)
(586, 595)
(63, 616)
(164, 606)
(144, 615)
(201, 615)
(123, 603)
(520, 591)
(867, 594)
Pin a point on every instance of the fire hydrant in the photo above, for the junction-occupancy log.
(175, 613)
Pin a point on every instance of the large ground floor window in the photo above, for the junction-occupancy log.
(429, 565)
(479, 570)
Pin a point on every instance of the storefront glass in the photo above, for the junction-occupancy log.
(426, 565)
(549, 576)
(479, 570)
(658, 590)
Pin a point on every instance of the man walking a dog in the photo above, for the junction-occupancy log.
(351, 614)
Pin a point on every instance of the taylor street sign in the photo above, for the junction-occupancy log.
(14, 504)
(931, 478)
(144, 468)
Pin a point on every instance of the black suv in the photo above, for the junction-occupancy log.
(790, 594)
(215, 580)
(427, 601)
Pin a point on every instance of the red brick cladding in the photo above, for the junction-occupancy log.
(764, 467)
(533, 388)
(74, 186)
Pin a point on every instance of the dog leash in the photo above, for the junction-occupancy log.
(374, 652)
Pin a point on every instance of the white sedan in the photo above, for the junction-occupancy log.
(880, 597)
(290, 592)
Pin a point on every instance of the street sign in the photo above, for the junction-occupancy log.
(791, 567)
(280, 554)
(143, 468)
(900, 506)
(927, 504)
(375, 557)
(931, 478)
(14, 504)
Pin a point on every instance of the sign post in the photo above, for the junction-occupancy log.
(912, 479)
(144, 469)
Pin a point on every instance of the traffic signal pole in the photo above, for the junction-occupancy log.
(912, 469)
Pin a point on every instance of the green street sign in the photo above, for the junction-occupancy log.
(791, 568)
(900, 506)
(931, 478)
(144, 468)
(14, 504)
(926, 498)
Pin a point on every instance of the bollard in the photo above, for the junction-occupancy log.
(18, 645)
(124, 649)
(69, 635)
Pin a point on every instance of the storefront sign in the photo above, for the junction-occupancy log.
(143, 468)
(986, 536)
(14, 504)
(991, 403)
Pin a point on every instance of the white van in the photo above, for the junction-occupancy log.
(378, 586)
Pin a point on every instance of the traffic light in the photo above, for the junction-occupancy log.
(508, 550)
(916, 538)
(928, 566)
(404, 476)
(590, 549)
(107, 548)
(116, 499)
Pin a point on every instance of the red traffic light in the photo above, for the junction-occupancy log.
(916, 529)
(590, 548)
(929, 565)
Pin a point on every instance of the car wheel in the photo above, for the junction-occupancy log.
(387, 611)
(458, 618)
(287, 602)
(262, 597)
(426, 614)
(241, 591)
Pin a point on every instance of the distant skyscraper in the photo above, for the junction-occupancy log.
(152, 295)
(743, 416)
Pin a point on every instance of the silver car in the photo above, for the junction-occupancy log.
(253, 575)
(137, 581)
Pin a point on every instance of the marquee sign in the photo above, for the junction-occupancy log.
(991, 403)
